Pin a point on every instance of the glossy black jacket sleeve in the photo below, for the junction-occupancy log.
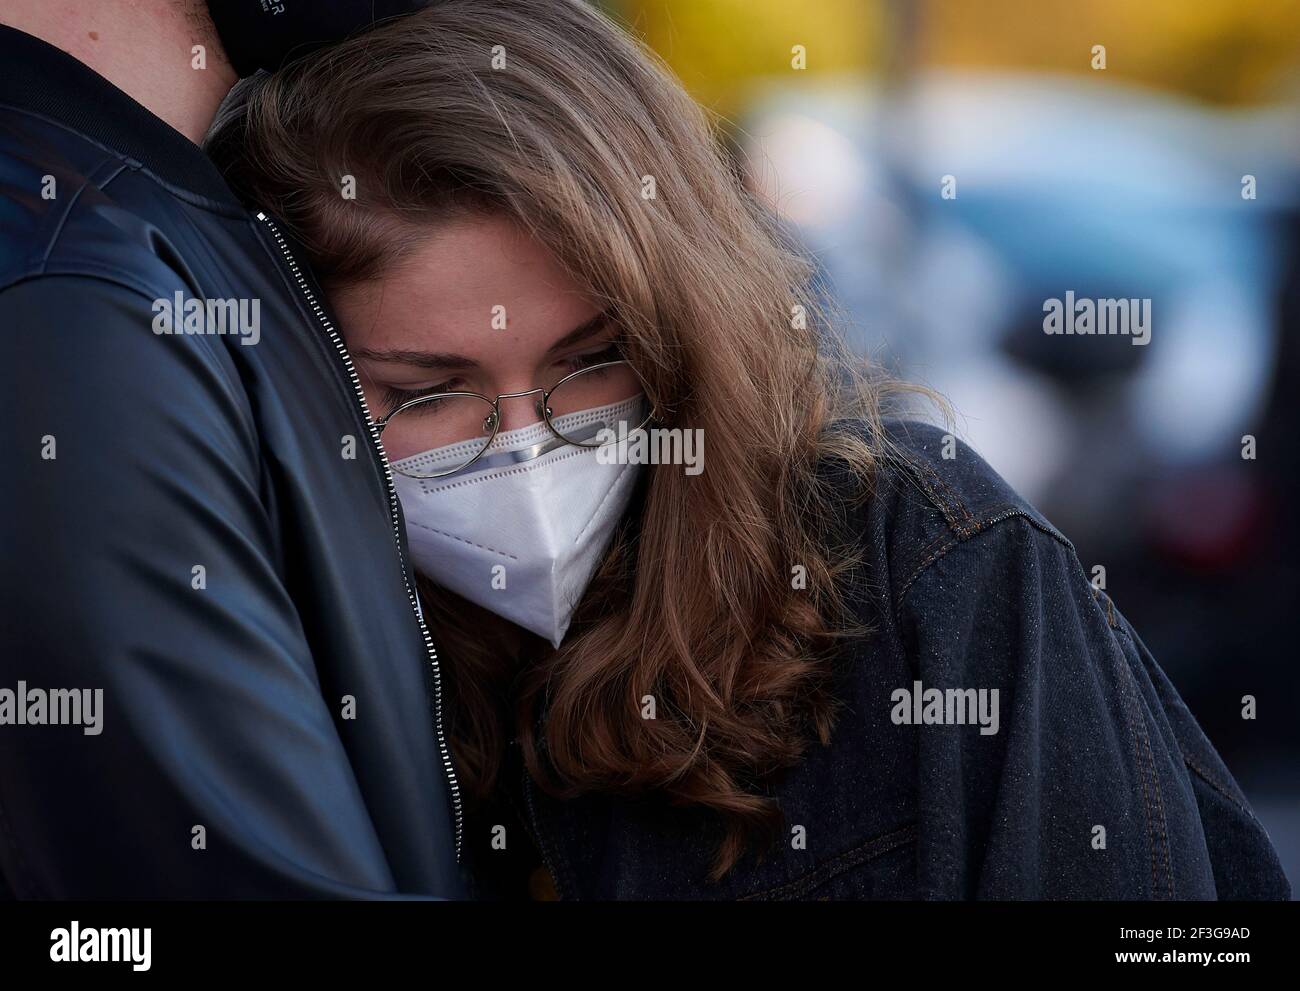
(217, 770)
(1098, 782)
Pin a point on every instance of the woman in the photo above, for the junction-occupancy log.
(821, 653)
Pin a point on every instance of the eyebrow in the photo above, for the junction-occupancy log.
(442, 359)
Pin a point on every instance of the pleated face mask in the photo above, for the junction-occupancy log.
(520, 531)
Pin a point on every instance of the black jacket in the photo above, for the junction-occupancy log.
(1094, 781)
(202, 526)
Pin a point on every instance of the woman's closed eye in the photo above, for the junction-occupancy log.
(394, 396)
(589, 359)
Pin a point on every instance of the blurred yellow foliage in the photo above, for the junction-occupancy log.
(717, 47)
(1228, 51)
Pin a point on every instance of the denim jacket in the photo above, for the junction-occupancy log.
(1094, 782)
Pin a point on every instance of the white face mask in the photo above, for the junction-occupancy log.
(521, 530)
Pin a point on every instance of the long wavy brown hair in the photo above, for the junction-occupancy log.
(549, 111)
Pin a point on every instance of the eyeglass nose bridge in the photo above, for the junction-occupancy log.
(518, 395)
(539, 407)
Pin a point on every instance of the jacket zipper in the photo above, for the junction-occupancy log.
(342, 351)
(533, 821)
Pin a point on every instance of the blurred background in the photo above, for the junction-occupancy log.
(953, 164)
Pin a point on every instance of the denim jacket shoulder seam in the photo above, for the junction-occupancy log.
(1213, 782)
(961, 522)
(1157, 830)
(1111, 619)
(1191, 762)
(945, 542)
(955, 512)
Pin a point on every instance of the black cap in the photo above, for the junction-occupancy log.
(264, 34)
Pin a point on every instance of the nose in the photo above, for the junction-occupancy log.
(521, 409)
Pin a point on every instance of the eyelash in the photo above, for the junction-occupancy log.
(395, 397)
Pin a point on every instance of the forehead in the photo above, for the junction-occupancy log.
(454, 290)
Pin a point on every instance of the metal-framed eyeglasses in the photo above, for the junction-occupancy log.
(443, 433)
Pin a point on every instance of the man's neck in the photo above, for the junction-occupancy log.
(146, 48)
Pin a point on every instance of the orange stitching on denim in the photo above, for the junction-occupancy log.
(929, 555)
(953, 497)
(1129, 689)
(1137, 763)
(1214, 782)
(925, 563)
(1110, 608)
(946, 506)
(1146, 739)
(1160, 808)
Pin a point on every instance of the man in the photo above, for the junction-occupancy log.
(214, 677)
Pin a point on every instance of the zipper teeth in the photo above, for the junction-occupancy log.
(342, 350)
(535, 825)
